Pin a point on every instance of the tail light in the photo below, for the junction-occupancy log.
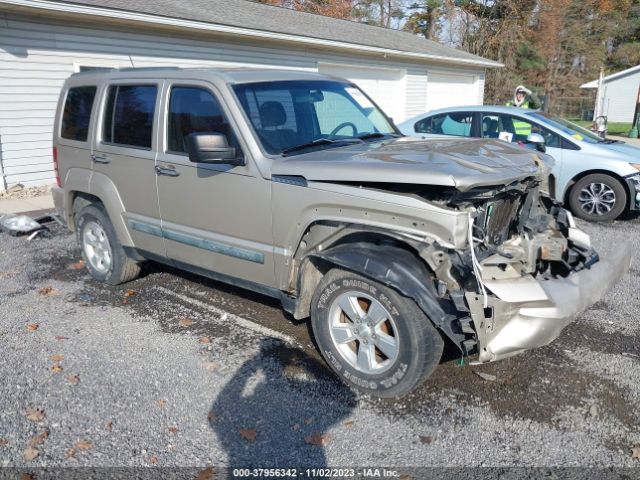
(55, 166)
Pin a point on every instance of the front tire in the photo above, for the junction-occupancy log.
(375, 339)
(102, 253)
(598, 198)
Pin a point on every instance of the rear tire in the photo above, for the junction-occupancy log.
(598, 198)
(375, 339)
(102, 253)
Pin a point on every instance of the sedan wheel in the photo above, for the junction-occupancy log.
(598, 198)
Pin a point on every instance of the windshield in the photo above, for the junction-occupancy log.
(576, 131)
(294, 116)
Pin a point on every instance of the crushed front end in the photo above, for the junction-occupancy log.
(528, 271)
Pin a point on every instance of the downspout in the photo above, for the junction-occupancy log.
(2, 175)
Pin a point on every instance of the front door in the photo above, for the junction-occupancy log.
(216, 217)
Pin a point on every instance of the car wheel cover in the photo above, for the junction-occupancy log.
(363, 332)
(597, 199)
(96, 246)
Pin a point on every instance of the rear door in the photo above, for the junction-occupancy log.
(216, 217)
(124, 157)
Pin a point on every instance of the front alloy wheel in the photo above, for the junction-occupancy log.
(373, 338)
(598, 198)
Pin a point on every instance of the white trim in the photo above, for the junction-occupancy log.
(613, 76)
(196, 25)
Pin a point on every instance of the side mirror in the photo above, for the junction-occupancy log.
(537, 140)
(211, 148)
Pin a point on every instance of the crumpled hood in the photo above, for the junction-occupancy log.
(459, 163)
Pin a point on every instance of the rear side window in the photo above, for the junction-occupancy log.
(128, 116)
(77, 113)
(457, 124)
(194, 110)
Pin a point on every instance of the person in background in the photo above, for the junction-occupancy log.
(525, 98)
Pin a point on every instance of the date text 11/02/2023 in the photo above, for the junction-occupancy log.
(315, 472)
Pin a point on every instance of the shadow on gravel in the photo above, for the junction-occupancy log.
(278, 408)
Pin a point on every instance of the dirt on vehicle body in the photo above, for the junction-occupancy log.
(297, 186)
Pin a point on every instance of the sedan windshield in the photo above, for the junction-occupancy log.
(294, 116)
(576, 131)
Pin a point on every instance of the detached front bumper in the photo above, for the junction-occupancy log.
(526, 313)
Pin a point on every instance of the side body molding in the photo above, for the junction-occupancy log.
(401, 270)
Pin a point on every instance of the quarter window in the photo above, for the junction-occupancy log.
(457, 124)
(129, 115)
(77, 113)
(194, 110)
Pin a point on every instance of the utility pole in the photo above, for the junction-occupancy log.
(636, 118)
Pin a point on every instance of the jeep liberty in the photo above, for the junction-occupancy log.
(295, 185)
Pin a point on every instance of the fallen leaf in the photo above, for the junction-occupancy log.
(34, 414)
(109, 425)
(249, 434)
(56, 368)
(30, 453)
(83, 445)
(209, 366)
(426, 439)
(57, 358)
(48, 291)
(60, 337)
(70, 453)
(32, 327)
(486, 376)
(635, 452)
(213, 417)
(308, 421)
(206, 474)
(4, 442)
(161, 403)
(130, 293)
(204, 340)
(27, 476)
(153, 459)
(78, 265)
(74, 379)
(185, 322)
(349, 423)
(173, 430)
(38, 439)
(320, 439)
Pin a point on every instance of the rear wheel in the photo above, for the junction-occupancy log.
(598, 198)
(102, 253)
(375, 339)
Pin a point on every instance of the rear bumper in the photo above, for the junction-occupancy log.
(58, 201)
(528, 313)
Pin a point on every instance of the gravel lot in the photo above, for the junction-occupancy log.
(175, 370)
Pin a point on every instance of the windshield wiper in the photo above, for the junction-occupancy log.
(367, 136)
(320, 141)
(610, 140)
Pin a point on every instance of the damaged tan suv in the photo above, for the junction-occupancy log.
(295, 185)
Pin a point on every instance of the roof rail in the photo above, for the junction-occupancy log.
(121, 69)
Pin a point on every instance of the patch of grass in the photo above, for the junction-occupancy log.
(613, 128)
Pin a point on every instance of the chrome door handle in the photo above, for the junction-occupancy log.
(100, 158)
(170, 172)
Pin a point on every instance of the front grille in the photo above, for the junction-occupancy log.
(499, 219)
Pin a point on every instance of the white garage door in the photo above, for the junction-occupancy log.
(385, 86)
(451, 90)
